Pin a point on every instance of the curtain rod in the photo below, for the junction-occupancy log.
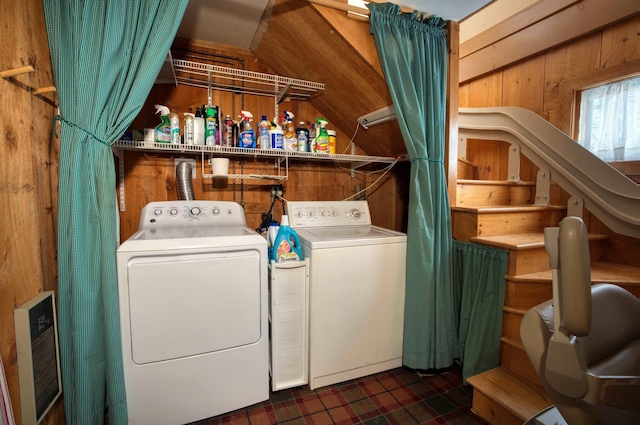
(355, 9)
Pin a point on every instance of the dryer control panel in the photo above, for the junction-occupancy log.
(191, 213)
(328, 213)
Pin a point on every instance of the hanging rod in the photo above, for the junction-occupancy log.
(355, 9)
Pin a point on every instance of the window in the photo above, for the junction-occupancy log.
(609, 120)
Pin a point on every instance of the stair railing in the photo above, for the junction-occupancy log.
(592, 183)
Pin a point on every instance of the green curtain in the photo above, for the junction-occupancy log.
(413, 54)
(105, 56)
(479, 285)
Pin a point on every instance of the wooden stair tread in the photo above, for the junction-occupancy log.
(601, 272)
(494, 182)
(511, 391)
(493, 209)
(521, 241)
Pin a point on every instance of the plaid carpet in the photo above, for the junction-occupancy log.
(399, 396)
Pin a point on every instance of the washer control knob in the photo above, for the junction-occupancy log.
(355, 213)
(194, 212)
(173, 211)
(216, 211)
(157, 211)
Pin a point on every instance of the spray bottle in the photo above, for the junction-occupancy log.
(286, 246)
(322, 138)
(290, 140)
(210, 126)
(263, 133)
(247, 138)
(276, 135)
(189, 129)
(163, 130)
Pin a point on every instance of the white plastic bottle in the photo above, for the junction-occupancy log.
(174, 120)
(189, 128)
(263, 134)
(276, 135)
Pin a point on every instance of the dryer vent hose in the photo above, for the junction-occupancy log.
(183, 177)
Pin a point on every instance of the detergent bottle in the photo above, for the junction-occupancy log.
(289, 139)
(210, 126)
(276, 135)
(247, 138)
(322, 138)
(198, 128)
(263, 133)
(286, 246)
(163, 130)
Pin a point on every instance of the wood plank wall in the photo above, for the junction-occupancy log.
(28, 178)
(535, 83)
(151, 177)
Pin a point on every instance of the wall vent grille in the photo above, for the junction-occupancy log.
(38, 356)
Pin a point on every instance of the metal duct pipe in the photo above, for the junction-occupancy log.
(183, 178)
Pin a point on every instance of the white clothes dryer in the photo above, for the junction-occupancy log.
(192, 288)
(356, 290)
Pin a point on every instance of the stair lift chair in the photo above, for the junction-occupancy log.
(587, 350)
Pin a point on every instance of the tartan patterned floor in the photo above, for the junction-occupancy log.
(398, 396)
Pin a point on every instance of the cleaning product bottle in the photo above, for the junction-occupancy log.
(272, 232)
(163, 130)
(322, 138)
(302, 134)
(312, 137)
(210, 126)
(198, 128)
(287, 244)
(227, 134)
(276, 135)
(188, 128)
(332, 141)
(263, 133)
(247, 138)
(174, 120)
(289, 139)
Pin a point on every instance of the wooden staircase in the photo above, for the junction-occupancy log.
(501, 214)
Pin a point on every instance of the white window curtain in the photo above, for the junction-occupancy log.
(610, 120)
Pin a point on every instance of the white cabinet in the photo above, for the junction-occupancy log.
(289, 323)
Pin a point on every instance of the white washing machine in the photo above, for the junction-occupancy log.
(192, 287)
(356, 290)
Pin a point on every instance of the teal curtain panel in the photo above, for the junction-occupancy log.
(413, 55)
(479, 287)
(105, 56)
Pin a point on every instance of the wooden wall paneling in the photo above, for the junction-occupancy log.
(568, 61)
(524, 83)
(621, 43)
(531, 15)
(486, 91)
(451, 120)
(523, 86)
(585, 17)
(28, 178)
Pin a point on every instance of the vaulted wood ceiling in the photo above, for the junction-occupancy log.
(337, 51)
